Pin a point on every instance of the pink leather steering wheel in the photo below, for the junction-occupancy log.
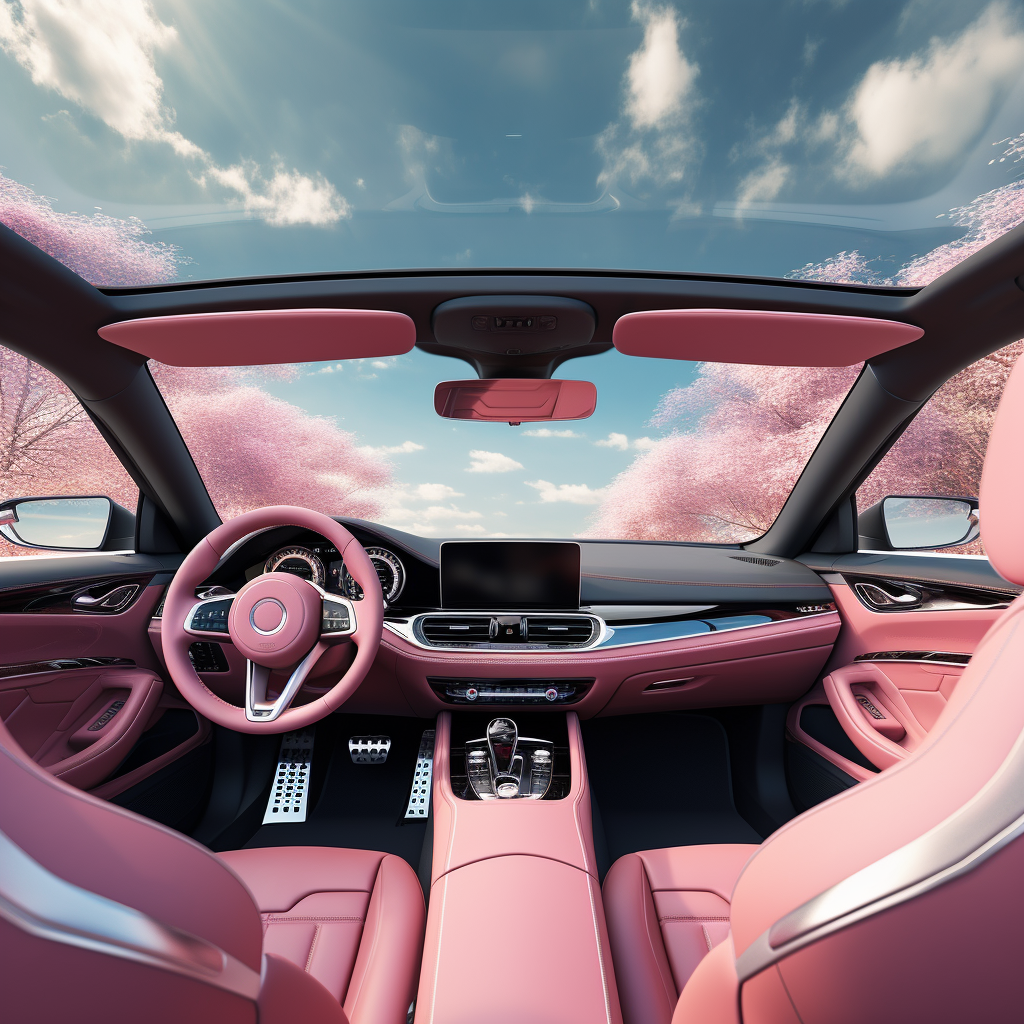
(278, 621)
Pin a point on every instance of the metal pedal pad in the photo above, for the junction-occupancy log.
(419, 795)
(369, 749)
(288, 796)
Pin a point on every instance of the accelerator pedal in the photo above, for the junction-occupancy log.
(288, 796)
(419, 795)
(369, 749)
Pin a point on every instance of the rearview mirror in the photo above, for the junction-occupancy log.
(515, 401)
(92, 523)
(918, 522)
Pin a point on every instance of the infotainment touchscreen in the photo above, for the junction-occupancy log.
(515, 575)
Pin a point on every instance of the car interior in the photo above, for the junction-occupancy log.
(273, 752)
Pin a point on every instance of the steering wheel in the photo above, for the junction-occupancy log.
(278, 621)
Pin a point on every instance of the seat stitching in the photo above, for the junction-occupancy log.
(707, 938)
(312, 947)
(645, 881)
(690, 917)
(376, 933)
(273, 920)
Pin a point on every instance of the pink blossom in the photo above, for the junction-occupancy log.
(104, 250)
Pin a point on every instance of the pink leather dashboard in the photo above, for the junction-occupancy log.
(772, 662)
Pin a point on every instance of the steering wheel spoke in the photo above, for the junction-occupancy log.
(257, 679)
(208, 618)
(337, 619)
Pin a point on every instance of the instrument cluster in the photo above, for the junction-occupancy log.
(323, 565)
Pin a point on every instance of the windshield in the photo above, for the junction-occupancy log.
(680, 451)
(873, 142)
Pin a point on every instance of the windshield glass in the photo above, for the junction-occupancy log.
(675, 451)
(147, 142)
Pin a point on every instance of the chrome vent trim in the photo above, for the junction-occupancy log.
(473, 631)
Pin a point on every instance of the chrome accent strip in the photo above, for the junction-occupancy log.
(42, 904)
(953, 847)
(278, 627)
(407, 630)
(917, 658)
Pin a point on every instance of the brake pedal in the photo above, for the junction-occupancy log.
(419, 795)
(288, 796)
(369, 749)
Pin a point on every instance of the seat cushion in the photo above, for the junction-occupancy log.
(352, 919)
(666, 910)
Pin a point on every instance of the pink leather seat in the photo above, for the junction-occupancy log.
(108, 917)
(666, 910)
(901, 899)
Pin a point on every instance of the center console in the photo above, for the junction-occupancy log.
(512, 822)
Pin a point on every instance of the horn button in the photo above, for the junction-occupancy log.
(275, 619)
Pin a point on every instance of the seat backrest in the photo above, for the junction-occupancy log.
(106, 916)
(903, 898)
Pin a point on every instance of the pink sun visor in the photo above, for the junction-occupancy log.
(759, 338)
(515, 401)
(256, 337)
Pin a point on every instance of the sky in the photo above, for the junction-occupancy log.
(456, 478)
(263, 137)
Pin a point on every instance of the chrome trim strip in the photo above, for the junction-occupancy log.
(42, 904)
(955, 846)
(257, 708)
(407, 630)
(916, 658)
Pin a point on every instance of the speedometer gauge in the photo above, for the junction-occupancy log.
(390, 572)
(299, 562)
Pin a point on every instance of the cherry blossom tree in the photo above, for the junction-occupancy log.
(104, 250)
(251, 448)
(741, 435)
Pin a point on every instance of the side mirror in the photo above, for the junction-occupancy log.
(918, 523)
(67, 524)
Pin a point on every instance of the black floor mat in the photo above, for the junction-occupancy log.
(359, 806)
(662, 780)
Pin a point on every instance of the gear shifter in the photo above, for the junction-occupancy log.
(502, 737)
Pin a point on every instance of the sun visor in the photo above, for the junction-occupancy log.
(759, 338)
(255, 337)
(515, 401)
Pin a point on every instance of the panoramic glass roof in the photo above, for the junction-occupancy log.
(875, 141)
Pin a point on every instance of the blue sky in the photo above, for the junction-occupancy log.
(740, 137)
(442, 489)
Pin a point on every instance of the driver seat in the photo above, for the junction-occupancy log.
(109, 917)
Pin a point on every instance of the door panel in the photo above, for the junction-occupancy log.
(80, 682)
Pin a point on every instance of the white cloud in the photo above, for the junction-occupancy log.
(381, 364)
(471, 528)
(576, 494)
(924, 110)
(333, 368)
(660, 77)
(491, 462)
(765, 183)
(621, 443)
(548, 432)
(393, 449)
(653, 139)
(426, 492)
(101, 55)
(614, 440)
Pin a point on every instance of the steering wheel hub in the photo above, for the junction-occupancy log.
(275, 619)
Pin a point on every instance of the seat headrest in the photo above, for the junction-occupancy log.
(1002, 483)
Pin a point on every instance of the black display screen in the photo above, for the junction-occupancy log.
(513, 575)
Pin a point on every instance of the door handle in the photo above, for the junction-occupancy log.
(112, 601)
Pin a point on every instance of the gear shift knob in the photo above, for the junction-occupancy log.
(502, 736)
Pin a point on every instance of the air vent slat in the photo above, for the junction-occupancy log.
(560, 632)
(456, 629)
(540, 631)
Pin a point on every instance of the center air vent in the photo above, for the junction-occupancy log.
(453, 629)
(560, 632)
(509, 631)
(753, 560)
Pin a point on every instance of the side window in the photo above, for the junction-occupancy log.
(49, 446)
(942, 451)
